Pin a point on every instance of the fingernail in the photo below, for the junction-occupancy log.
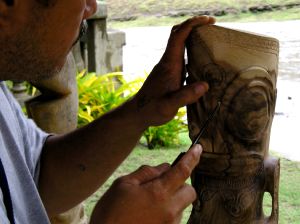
(198, 149)
(203, 18)
(201, 88)
(212, 20)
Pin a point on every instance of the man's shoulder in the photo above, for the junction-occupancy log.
(5, 93)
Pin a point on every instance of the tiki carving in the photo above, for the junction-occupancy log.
(235, 170)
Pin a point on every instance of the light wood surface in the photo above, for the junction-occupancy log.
(235, 170)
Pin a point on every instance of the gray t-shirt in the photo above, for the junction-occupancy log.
(21, 144)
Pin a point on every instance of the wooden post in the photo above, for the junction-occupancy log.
(101, 51)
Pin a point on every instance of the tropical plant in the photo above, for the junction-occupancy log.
(100, 94)
(168, 134)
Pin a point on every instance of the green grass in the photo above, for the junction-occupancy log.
(289, 196)
(153, 12)
(118, 8)
(288, 14)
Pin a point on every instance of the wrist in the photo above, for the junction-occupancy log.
(135, 109)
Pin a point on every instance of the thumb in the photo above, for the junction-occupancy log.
(147, 173)
(188, 94)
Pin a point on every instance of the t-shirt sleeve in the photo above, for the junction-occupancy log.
(33, 137)
(34, 140)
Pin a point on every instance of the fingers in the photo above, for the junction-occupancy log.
(175, 177)
(187, 95)
(186, 195)
(146, 173)
(179, 34)
(182, 30)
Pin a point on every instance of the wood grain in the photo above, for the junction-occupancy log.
(236, 170)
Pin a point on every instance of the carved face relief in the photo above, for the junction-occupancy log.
(244, 82)
(235, 170)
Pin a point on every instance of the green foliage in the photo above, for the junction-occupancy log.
(30, 89)
(9, 84)
(100, 94)
(166, 135)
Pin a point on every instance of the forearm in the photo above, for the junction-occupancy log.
(75, 165)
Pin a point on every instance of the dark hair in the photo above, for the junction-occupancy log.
(43, 2)
(9, 2)
(46, 2)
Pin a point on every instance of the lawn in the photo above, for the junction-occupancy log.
(288, 14)
(289, 196)
(155, 13)
(141, 8)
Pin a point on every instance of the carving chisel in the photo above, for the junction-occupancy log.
(202, 130)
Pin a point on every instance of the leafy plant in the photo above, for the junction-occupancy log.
(168, 134)
(100, 94)
(31, 90)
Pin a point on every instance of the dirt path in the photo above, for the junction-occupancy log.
(146, 45)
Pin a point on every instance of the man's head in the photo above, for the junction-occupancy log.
(37, 35)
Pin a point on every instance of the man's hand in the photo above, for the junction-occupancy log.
(150, 194)
(89, 155)
(162, 94)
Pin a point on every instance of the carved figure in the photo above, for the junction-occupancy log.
(236, 169)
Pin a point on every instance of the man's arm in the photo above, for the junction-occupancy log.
(75, 165)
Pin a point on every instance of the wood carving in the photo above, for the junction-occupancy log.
(236, 169)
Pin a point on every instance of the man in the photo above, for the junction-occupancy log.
(35, 38)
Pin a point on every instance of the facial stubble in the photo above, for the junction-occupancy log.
(23, 59)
